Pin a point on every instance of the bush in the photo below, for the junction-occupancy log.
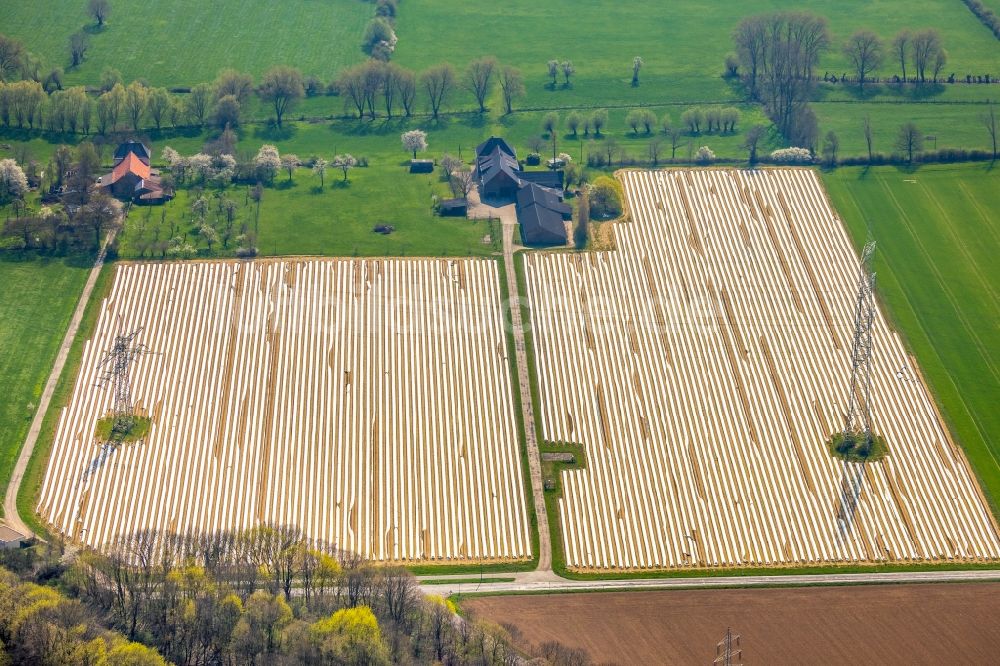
(386, 8)
(704, 155)
(380, 38)
(792, 156)
(854, 447)
(606, 198)
(314, 86)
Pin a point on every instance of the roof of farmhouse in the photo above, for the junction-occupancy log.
(541, 213)
(493, 143)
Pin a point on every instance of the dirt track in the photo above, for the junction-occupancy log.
(898, 624)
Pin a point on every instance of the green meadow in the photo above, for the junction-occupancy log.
(184, 42)
(938, 232)
(36, 304)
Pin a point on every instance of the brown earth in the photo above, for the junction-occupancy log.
(878, 624)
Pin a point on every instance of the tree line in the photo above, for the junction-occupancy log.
(264, 595)
(776, 56)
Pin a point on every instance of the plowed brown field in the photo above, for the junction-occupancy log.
(884, 624)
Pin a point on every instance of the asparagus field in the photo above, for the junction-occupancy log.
(368, 402)
(704, 363)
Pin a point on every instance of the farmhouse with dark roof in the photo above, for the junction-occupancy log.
(541, 211)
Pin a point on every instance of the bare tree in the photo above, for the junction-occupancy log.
(11, 56)
(235, 83)
(654, 151)
(926, 45)
(511, 87)
(406, 85)
(864, 50)
(549, 125)
(909, 141)
(940, 60)
(778, 53)
(611, 149)
(390, 85)
(100, 10)
(78, 45)
(831, 145)
(462, 181)
(282, 86)
(553, 66)
(438, 82)
(199, 102)
(351, 84)
(750, 40)
(867, 126)
(901, 45)
(751, 141)
(676, 135)
(450, 164)
(479, 79)
(989, 120)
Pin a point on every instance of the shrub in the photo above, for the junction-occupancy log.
(792, 156)
(606, 198)
(704, 155)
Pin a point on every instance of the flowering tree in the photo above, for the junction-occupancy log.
(345, 163)
(319, 168)
(414, 141)
(13, 183)
(267, 162)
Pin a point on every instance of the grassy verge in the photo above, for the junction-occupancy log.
(464, 581)
(27, 497)
(36, 305)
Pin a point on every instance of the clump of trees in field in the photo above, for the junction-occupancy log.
(78, 225)
(265, 595)
(777, 54)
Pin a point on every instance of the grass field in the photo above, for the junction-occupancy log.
(183, 42)
(938, 235)
(955, 125)
(682, 43)
(298, 218)
(36, 303)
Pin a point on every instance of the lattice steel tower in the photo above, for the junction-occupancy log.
(728, 651)
(117, 367)
(859, 410)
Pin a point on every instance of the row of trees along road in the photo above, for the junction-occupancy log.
(258, 596)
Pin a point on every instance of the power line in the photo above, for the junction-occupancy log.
(117, 366)
(728, 651)
(859, 410)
